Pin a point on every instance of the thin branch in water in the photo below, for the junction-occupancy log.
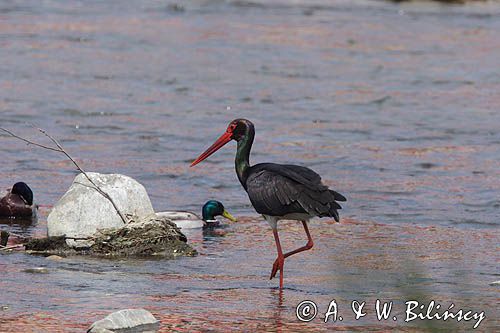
(28, 141)
(60, 149)
(106, 195)
(5, 248)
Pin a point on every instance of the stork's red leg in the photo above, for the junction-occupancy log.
(280, 260)
(308, 246)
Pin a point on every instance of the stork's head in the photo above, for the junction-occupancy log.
(237, 130)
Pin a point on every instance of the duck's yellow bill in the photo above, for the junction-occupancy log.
(228, 216)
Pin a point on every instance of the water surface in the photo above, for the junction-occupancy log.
(396, 106)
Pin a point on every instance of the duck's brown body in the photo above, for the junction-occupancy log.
(14, 205)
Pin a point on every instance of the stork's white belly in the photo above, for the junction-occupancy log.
(273, 220)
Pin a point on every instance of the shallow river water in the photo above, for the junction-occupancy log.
(396, 106)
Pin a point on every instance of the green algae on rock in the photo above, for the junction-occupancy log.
(149, 236)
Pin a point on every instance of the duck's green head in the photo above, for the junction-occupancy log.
(214, 208)
(24, 191)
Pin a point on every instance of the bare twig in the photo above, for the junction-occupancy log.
(86, 175)
(79, 238)
(60, 149)
(28, 141)
(5, 248)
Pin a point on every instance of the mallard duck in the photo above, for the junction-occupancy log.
(188, 220)
(18, 202)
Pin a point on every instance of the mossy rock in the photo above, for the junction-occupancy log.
(150, 236)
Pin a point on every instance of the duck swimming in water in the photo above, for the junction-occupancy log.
(18, 202)
(188, 220)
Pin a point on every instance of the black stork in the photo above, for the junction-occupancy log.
(278, 191)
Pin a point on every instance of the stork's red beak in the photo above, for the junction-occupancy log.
(225, 138)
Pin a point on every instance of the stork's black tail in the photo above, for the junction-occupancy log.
(334, 206)
(338, 196)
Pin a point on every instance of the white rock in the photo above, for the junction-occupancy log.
(133, 320)
(82, 210)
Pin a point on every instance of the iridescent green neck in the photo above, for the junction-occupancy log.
(242, 160)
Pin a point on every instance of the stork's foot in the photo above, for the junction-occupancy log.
(306, 247)
(278, 265)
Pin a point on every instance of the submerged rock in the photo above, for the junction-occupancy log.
(36, 270)
(82, 210)
(128, 320)
(54, 258)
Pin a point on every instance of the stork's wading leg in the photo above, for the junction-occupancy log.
(281, 259)
(306, 247)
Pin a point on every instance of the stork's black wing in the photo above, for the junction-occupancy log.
(278, 190)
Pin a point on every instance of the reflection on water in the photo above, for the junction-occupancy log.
(394, 105)
(227, 285)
